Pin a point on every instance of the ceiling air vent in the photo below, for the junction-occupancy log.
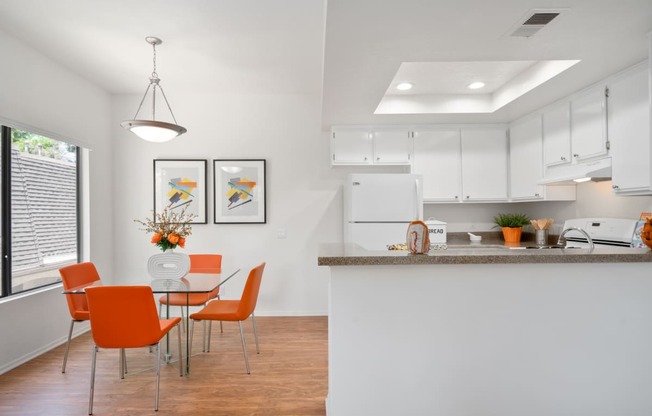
(534, 22)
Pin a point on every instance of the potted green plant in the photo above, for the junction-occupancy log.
(512, 226)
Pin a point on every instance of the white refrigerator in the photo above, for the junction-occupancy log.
(378, 207)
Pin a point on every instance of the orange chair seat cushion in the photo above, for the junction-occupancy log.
(192, 299)
(168, 324)
(80, 315)
(219, 310)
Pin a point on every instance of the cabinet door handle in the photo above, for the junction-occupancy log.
(537, 195)
(456, 197)
(377, 158)
(563, 158)
(467, 197)
(365, 159)
(576, 155)
(615, 187)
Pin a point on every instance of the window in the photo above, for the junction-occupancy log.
(40, 217)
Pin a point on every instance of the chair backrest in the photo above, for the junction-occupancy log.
(74, 276)
(250, 292)
(123, 316)
(205, 263)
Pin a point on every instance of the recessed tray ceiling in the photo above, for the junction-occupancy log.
(442, 87)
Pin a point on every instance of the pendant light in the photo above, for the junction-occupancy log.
(152, 130)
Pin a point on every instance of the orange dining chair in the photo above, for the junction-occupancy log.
(125, 317)
(235, 310)
(77, 275)
(199, 263)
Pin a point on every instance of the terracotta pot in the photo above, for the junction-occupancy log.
(646, 234)
(512, 234)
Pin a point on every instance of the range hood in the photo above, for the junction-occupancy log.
(596, 170)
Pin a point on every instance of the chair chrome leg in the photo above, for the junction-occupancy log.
(90, 402)
(158, 374)
(180, 352)
(203, 336)
(124, 355)
(210, 330)
(192, 329)
(244, 347)
(122, 363)
(65, 355)
(221, 328)
(253, 319)
(183, 321)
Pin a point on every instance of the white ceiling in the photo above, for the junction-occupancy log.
(347, 50)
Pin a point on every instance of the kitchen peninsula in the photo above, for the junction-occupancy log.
(487, 330)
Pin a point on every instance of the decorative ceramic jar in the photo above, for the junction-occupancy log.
(168, 265)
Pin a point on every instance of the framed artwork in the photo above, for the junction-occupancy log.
(180, 184)
(239, 191)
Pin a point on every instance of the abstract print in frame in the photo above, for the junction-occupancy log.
(239, 191)
(180, 184)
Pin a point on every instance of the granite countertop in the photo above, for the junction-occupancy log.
(492, 250)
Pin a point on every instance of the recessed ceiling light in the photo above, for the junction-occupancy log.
(475, 85)
(404, 86)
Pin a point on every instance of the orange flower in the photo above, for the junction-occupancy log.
(173, 238)
(156, 238)
(182, 242)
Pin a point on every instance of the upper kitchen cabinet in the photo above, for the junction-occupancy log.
(556, 135)
(525, 158)
(370, 146)
(437, 157)
(589, 124)
(484, 164)
(575, 130)
(352, 146)
(629, 131)
(392, 146)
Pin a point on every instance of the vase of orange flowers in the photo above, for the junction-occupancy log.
(169, 230)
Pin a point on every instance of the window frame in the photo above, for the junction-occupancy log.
(5, 210)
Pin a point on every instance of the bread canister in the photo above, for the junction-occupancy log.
(436, 231)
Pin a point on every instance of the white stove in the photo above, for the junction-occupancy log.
(614, 232)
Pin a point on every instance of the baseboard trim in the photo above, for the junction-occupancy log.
(33, 354)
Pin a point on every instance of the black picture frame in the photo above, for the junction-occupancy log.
(173, 187)
(239, 191)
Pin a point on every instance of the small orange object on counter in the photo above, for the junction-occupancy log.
(418, 240)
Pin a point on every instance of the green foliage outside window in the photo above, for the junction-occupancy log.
(35, 144)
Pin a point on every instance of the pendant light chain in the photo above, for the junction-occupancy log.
(152, 130)
(154, 80)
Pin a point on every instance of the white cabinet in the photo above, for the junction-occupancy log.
(437, 157)
(525, 159)
(575, 130)
(351, 146)
(367, 146)
(588, 124)
(484, 164)
(629, 132)
(556, 135)
(392, 147)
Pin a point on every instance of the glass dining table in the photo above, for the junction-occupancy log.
(189, 284)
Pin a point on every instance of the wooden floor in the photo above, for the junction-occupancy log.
(288, 377)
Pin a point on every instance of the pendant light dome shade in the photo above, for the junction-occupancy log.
(153, 130)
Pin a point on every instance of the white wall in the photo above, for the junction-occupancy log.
(39, 94)
(303, 193)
